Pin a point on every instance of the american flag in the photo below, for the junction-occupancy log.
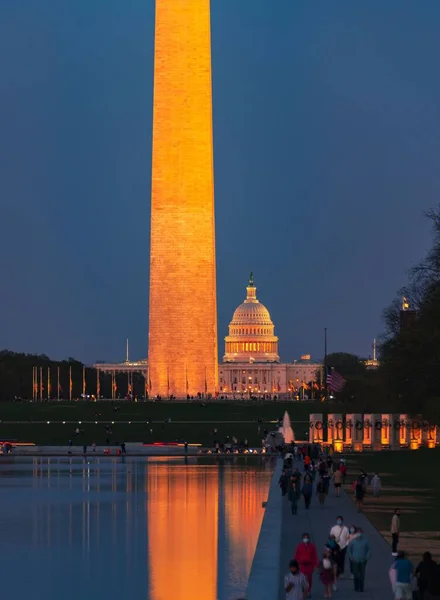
(335, 381)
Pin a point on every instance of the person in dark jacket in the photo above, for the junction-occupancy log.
(359, 554)
(296, 483)
(424, 572)
(321, 491)
(307, 490)
(359, 492)
(283, 483)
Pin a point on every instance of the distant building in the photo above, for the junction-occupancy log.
(372, 363)
(251, 364)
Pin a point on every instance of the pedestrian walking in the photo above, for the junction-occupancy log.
(296, 483)
(376, 485)
(433, 591)
(359, 555)
(404, 572)
(351, 535)
(282, 482)
(425, 571)
(395, 531)
(307, 490)
(326, 478)
(293, 500)
(327, 574)
(337, 480)
(321, 492)
(359, 492)
(295, 583)
(307, 558)
(364, 480)
(343, 469)
(340, 532)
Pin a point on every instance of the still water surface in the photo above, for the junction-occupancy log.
(151, 529)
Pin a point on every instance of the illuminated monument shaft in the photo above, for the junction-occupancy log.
(182, 351)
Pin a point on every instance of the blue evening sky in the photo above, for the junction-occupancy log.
(327, 148)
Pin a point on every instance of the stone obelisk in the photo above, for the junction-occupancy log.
(182, 347)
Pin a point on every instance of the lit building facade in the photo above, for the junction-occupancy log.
(251, 364)
(182, 346)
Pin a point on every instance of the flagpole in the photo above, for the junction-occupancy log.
(98, 391)
(48, 383)
(58, 383)
(33, 383)
(70, 382)
(41, 384)
(325, 363)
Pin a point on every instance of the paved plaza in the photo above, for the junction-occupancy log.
(317, 521)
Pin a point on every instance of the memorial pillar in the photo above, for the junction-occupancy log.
(387, 431)
(335, 431)
(377, 432)
(316, 429)
(415, 434)
(431, 436)
(367, 441)
(404, 431)
(353, 432)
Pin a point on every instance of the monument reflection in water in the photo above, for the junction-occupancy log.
(153, 529)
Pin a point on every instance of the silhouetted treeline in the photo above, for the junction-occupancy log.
(410, 354)
(16, 378)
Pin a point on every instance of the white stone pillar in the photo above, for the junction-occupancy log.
(353, 432)
(416, 427)
(404, 431)
(387, 433)
(367, 441)
(335, 431)
(431, 436)
(395, 432)
(316, 431)
(377, 432)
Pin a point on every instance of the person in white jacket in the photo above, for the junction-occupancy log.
(341, 534)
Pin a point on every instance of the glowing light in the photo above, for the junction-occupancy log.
(183, 322)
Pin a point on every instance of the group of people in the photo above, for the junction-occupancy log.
(342, 540)
(295, 484)
(346, 543)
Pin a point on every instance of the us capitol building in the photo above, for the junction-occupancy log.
(251, 364)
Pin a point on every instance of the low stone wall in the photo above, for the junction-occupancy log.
(264, 577)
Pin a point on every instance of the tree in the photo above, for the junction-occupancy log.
(348, 365)
(410, 357)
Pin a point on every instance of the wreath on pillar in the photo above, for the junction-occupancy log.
(385, 423)
(349, 424)
(367, 424)
(330, 423)
(339, 425)
(318, 425)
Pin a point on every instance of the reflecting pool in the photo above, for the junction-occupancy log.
(150, 529)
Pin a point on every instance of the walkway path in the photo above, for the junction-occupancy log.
(317, 521)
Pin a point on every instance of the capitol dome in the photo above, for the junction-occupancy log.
(251, 332)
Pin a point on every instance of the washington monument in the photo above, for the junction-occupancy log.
(182, 347)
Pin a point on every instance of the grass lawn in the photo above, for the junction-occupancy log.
(192, 422)
(177, 411)
(409, 482)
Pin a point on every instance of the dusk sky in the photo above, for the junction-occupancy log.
(327, 152)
